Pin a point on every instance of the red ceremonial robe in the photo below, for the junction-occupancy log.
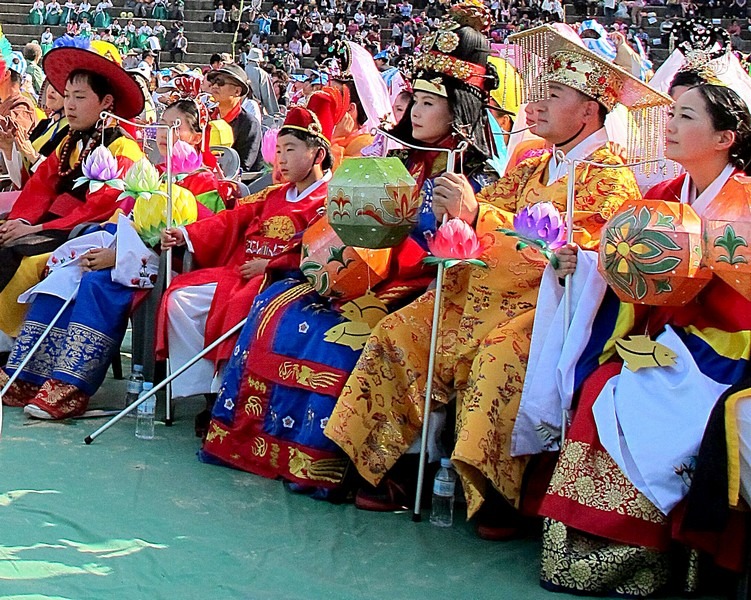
(265, 225)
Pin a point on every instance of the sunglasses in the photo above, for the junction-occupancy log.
(219, 82)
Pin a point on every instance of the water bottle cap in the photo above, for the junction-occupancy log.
(147, 386)
(138, 368)
(446, 463)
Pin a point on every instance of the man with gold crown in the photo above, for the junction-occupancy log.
(487, 314)
(650, 460)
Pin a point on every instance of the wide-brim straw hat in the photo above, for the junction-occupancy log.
(59, 63)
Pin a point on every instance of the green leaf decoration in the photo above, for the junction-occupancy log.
(665, 221)
(663, 240)
(730, 242)
(662, 286)
(641, 286)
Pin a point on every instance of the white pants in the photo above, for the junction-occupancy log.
(187, 311)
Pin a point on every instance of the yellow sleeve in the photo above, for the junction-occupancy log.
(127, 148)
(498, 202)
(599, 194)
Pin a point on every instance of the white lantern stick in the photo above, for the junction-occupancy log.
(570, 199)
(171, 129)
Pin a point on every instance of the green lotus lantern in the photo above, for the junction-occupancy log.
(373, 202)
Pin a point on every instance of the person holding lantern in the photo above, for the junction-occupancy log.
(49, 206)
(105, 269)
(487, 313)
(622, 494)
(260, 240)
(303, 339)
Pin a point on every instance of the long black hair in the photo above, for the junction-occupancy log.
(466, 103)
(729, 112)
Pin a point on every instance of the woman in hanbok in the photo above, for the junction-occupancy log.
(240, 251)
(70, 13)
(84, 11)
(160, 12)
(102, 18)
(299, 346)
(36, 14)
(52, 14)
(122, 44)
(130, 32)
(47, 40)
(144, 31)
(105, 269)
(615, 504)
(84, 28)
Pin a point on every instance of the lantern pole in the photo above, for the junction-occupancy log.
(163, 384)
(31, 353)
(171, 129)
(570, 199)
(168, 273)
(450, 166)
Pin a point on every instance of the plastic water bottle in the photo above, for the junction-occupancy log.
(444, 487)
(145, 417)
(135, 387)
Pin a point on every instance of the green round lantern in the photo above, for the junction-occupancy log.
(373, 202)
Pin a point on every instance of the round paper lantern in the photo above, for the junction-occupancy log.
(150, 213)
(373, 202)
(650, 253)
(337, 270)
(727, 231)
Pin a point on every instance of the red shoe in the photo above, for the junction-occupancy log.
(389, 496)
(497, 520)
(20, 393)
(57, 400)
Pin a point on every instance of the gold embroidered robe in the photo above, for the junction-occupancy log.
(483, 343)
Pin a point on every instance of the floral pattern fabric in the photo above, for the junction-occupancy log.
(483, 343)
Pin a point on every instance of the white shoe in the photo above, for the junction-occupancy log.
(36, 412)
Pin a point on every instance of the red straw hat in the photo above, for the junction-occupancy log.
(59, 63)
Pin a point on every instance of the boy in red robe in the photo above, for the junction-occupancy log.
(241, 250)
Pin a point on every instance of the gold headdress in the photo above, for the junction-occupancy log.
(547, 56)
(435, 60)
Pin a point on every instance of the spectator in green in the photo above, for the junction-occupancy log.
(32, 52)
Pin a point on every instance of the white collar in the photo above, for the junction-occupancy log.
(702, 201)
(581, 151)
(293, 196)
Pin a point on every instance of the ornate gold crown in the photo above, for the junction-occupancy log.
(472, 13)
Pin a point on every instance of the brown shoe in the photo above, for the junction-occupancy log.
(497, 520)
(19, 393)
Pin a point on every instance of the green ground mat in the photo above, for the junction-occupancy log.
(127, 518)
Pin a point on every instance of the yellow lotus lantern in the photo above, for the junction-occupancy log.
(651, 252)
(727, 232)
(373, 202)
(143, 183)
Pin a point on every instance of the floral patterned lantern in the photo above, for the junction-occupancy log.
(337, 270)
(651, 251)
(373, 202)
(727, 232)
